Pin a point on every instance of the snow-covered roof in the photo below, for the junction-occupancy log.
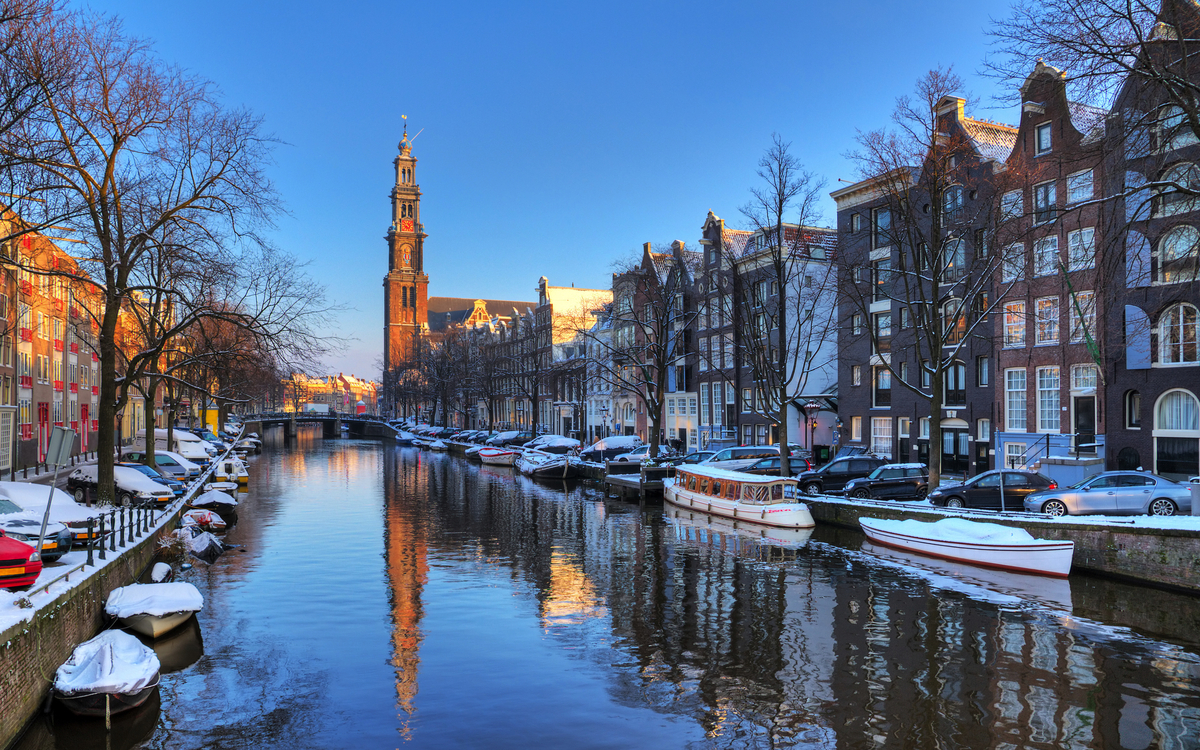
(728, 476)
(1088, 120)
(992, 140)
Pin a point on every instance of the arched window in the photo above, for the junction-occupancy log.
(1177, 335)
(1174, 131)
(1181, 191)
(954, 260)
(1133, 410)
(1178, 410)
(952, 203)
(954, 321)
(1179, 255)
(1177, 435)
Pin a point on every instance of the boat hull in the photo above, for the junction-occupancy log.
(155, 625)
(1040, 557)
(781, 515)
(98, 704)
(498, 459)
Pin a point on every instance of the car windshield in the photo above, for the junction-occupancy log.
(1081, 483)
(8, 506)
(143, 469)
(875, 474)
(826, 466)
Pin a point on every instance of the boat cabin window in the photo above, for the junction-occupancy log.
(704, 485)
(716, 488)
(691, 485)
(731, 490)
(776, 492)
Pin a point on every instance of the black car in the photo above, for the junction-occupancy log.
(984, 490)
(831, 478)
(769, 467)
(691, 458)
(891, 482)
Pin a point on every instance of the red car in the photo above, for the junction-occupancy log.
(19, 563)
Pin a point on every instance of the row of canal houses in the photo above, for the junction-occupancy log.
(1061, 294)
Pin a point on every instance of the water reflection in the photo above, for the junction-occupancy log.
(63, 730)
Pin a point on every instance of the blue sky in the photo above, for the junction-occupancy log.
(557, 137)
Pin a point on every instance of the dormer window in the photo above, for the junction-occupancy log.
(1174, 130)
(1042, 138)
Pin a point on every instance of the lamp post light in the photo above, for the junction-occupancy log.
(811, 410)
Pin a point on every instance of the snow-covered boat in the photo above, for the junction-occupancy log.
(404, 438)
(991, 545)
(204, 518)
(438, 445)
(112, 672)
(231, 469)
(215, 500)
(154, 608)
(497, 456)
(771, 501)
(542, 465)
(473, 452)
(222, 486)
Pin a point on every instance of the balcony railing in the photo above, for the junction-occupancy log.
(95, 357)
(74, 388)
(95, 425)
(25, 381)
(26, 432)
(26, 288)
(74, 347)
(74, 312)
(58, 385)
(58, 345)
(95, 390)
(75, 425)
(26, 334)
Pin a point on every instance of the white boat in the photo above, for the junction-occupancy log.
(221, 502)
(542, 465)
(110, 673)
(991, 545)
(154, 608)
(497, 456)
(204, 518)
(222, 486)
(771, 501)
(473, 451)
(438, 445)
(231, 469)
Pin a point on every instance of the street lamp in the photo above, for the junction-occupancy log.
(811, 410)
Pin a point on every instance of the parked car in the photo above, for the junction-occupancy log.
(1116, 493)
(22, 565)
(132, 487)
(641, 452)
(175, 464)
(31, 499)
(610, 447)
(735, 459)
(983, 490)
(769, 467)
(831, 478)
(25, 526)
(177, 487)
(891, 482)
(691, 458)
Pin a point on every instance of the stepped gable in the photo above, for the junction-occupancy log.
(445, 312)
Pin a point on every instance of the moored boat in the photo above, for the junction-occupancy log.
(990, 545)
(215, 500)
(204, 518)
(110, 673)
(473, 452)
(154, 608)
(231, 470)
(771, 501)
(542, 465)
(438, 445)
(497, 456)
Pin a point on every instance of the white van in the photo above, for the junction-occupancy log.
(185, 444)
(733, 459)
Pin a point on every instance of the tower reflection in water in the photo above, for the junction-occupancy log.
(791, 643)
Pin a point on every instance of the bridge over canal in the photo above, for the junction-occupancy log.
(331, 424)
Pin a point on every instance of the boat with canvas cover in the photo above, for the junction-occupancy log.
(497, 456)
(991, 545)
(542, 465)
(154, 608)
(112, 672)
(771, 501)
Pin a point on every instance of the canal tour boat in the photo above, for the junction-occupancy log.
(498, 456)
(771, 501)
(990, 545)
(111, 673)
(154, 608)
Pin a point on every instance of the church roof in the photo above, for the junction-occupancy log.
(448, 311)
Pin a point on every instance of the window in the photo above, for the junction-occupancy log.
(1081, 249)
(983, 430)
(1047, 321)
(905, 318)
(1014, 454)
(883, 387)
(1178, 253)
(855, 222)
(856, 324)
(856, 429)
(1014, 408)
(1179, 195)
(904, 372)
(705, 414)
(1013, 264)
(1083, 316)
(955, 385)
(670, 407)
(952, 204)
(883, 332)
(926, 375)
(903, 424)
(692, 407)
(923, 427)
(1177, 335)
(954, 321)
(1042, 138)
(855, 374)
(982, 376)
(881, 231)
(956, 261)
(881, 436)
(1133, 410)
(881, 278)
(1083, 377)
(1044, 200)
(747, 401)
(1173, 128)
(1177, 410)
(1045, 256)
(1014, 324)
(703, 358)
(1012, 204)
(1079, 186)
(1049, 418)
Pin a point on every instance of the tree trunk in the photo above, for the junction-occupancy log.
(106, 444)
(935, 429)
(151, 391)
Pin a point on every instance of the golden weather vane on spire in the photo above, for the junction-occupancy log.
(405, 141)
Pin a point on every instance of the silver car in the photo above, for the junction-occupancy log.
(1114, 493)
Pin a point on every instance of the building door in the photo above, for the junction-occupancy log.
(955, 456)
(43, 429)
(1085, 424)
(983, 460)
(85, 426)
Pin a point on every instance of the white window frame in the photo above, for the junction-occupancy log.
(1049, 399)
(1176, 335)
(1047, 129)
(1014, 324)
(856, 429)
(1045, 256)
(1080, 186)
(882, 441)
(1080, 327)
(1016, 408)
(1047, 311)
(1081, 249)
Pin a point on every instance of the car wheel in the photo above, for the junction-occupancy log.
(812, 488)
(1162, 507)
(862, 493)
(1054, 508)
(954, 502)
(126, 499)
(922, 492)
(80, 495)
(622, 460)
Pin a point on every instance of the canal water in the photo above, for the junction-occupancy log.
(384, 597)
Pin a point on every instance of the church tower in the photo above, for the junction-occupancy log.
(405, 288)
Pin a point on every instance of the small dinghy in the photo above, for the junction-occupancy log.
(542, 465)
(112, 672)
(162, 573)
(214, 500)
(991, 545)
(222, 486)
(203, 518)
(201, 544)
(438, 445)
(473, 452)
(154, 608)
(497, 456)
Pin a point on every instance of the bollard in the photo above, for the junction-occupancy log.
(112, 530)
(100, 536)
(91, 541)
(122, 511)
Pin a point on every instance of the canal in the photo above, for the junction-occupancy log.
(386, 597)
